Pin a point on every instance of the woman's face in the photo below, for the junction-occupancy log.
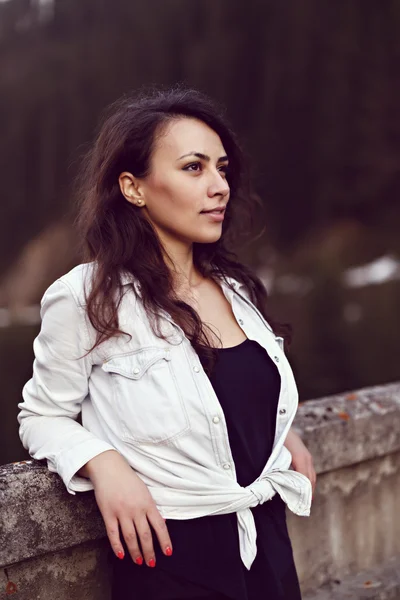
(187, 177)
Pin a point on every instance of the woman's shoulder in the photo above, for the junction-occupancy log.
(78, 281)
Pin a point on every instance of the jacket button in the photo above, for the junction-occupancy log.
(196, 369)
(282, 411)
(227, 466)
(215, 419)
(136, 371)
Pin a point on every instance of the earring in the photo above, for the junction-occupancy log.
(139, 201)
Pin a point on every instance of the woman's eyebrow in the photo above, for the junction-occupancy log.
(203, 156)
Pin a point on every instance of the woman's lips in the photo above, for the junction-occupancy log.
(215, 215)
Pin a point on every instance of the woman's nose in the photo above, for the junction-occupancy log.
(219, 186)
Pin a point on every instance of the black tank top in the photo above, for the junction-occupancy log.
(247, 385)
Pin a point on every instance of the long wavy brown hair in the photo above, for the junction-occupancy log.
(117, 237)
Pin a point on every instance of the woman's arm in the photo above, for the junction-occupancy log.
(302, 460)
(54, 394)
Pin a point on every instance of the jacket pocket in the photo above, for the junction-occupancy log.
(147, 397)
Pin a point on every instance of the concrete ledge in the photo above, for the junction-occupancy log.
(354, 523)
(353, 427)
(382, 583)
(77, 573)
(38, 515)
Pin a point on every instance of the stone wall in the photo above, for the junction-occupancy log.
(355, 518)
(53, 545)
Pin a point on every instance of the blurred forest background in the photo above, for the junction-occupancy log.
(312, 88)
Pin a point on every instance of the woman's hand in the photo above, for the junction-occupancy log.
(302, 460)
(124, 499)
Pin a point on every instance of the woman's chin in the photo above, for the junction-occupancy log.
(210, 238)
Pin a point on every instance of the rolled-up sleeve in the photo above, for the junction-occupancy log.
(48, 426)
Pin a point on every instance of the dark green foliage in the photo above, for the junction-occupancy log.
(313, 87)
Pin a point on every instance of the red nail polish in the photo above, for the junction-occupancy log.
(120, 554)
(168, 550)
(152, 562)
(139, 560)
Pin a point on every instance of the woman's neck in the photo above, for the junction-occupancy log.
(179, 258)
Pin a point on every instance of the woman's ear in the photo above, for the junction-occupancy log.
(131, 188)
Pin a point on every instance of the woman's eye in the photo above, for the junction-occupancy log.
(197, 166)
(192, 167)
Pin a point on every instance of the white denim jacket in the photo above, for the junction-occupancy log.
(150, 400)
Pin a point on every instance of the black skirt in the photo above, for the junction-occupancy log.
(206, 561)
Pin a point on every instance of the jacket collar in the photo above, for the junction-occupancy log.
(127, 279)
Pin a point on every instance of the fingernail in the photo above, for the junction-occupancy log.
(168, 550)
(152, 562)
(120, 554)
(139, 560)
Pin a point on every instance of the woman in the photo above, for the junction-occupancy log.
(161, 341)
